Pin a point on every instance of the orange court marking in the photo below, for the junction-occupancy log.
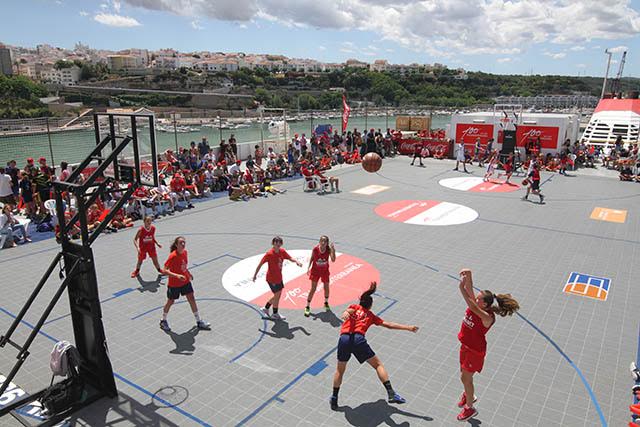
(587, 286)
(609, 215)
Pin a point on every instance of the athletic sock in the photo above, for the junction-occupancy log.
(164, 315)
(196, 315)
(275, 310)
(387, 385)
(268, 306)
(326, 301)
(336, 390)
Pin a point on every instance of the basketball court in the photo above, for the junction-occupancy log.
(561, 361)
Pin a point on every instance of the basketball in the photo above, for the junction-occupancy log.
(525, 182)
(371, 162)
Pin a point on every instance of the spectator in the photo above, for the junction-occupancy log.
(6, 192)
(178, 188)
(203, 147)
(233, 145)
(258, 155)
(8, 224)
(42, 183)
(235, 168)
(64, 172)
(30, 167)
(26, 192)
(14, 173)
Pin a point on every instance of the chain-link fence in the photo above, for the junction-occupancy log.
(70, 140)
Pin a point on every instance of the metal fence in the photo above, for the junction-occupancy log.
(70, 140)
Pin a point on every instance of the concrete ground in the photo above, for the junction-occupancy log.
(562, 361)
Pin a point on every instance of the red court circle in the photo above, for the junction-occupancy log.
(350, 276)
(426, 212)
(477, 185)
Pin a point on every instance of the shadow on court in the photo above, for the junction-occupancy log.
(149, 286)
(120, 410)
(281, 329)
(327, 317)
(185, 342)
(376, 414)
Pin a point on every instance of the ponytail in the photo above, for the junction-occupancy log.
(366, 301)
(507, 305)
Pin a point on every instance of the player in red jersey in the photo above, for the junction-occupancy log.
(533, 182)
(318, 269)
(508, 168)
(176, 267)
(145, 243)
(274, 259)
(478, 319)
(356, 321)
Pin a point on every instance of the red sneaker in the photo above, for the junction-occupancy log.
(135, 273)
(635, 409)
(466, 413)
(463, 400)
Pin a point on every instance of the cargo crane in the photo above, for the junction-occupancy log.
(615, 84)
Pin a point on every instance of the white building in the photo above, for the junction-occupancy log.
(64, 76)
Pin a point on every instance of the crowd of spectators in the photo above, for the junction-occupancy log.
(200, 170)
(193, 172)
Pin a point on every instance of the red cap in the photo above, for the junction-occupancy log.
(30, 160)
(238, 162)
(224, 162)
(42, 159)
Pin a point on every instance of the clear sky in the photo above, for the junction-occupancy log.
(541, 36)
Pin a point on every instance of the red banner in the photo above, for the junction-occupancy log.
(346, 110)
(408, 146)
(548, 136)
(468, 132)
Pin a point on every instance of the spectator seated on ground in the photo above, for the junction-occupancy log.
(626, 173)
(178, 187)
(354, 158)
(190, 184)
(8, 226)
(439, 153)
(120, 220)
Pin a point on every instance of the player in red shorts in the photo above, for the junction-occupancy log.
(176, 267)
(274, 259)
(478, 319)
(356, 321)
(145, 243)
(319, 270)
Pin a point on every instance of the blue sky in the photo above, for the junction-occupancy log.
(540, 36)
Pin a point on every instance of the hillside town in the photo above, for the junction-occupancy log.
(43, 63)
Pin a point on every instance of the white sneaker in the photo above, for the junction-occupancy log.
(265, 311)
(277, 316)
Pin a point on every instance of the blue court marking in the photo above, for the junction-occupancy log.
(402, 258)
(114, 296)
(592, 395)
(41, 251)
(245, 351)
(129, 290)
(123, 379)
(586, 384)
(314, 369)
